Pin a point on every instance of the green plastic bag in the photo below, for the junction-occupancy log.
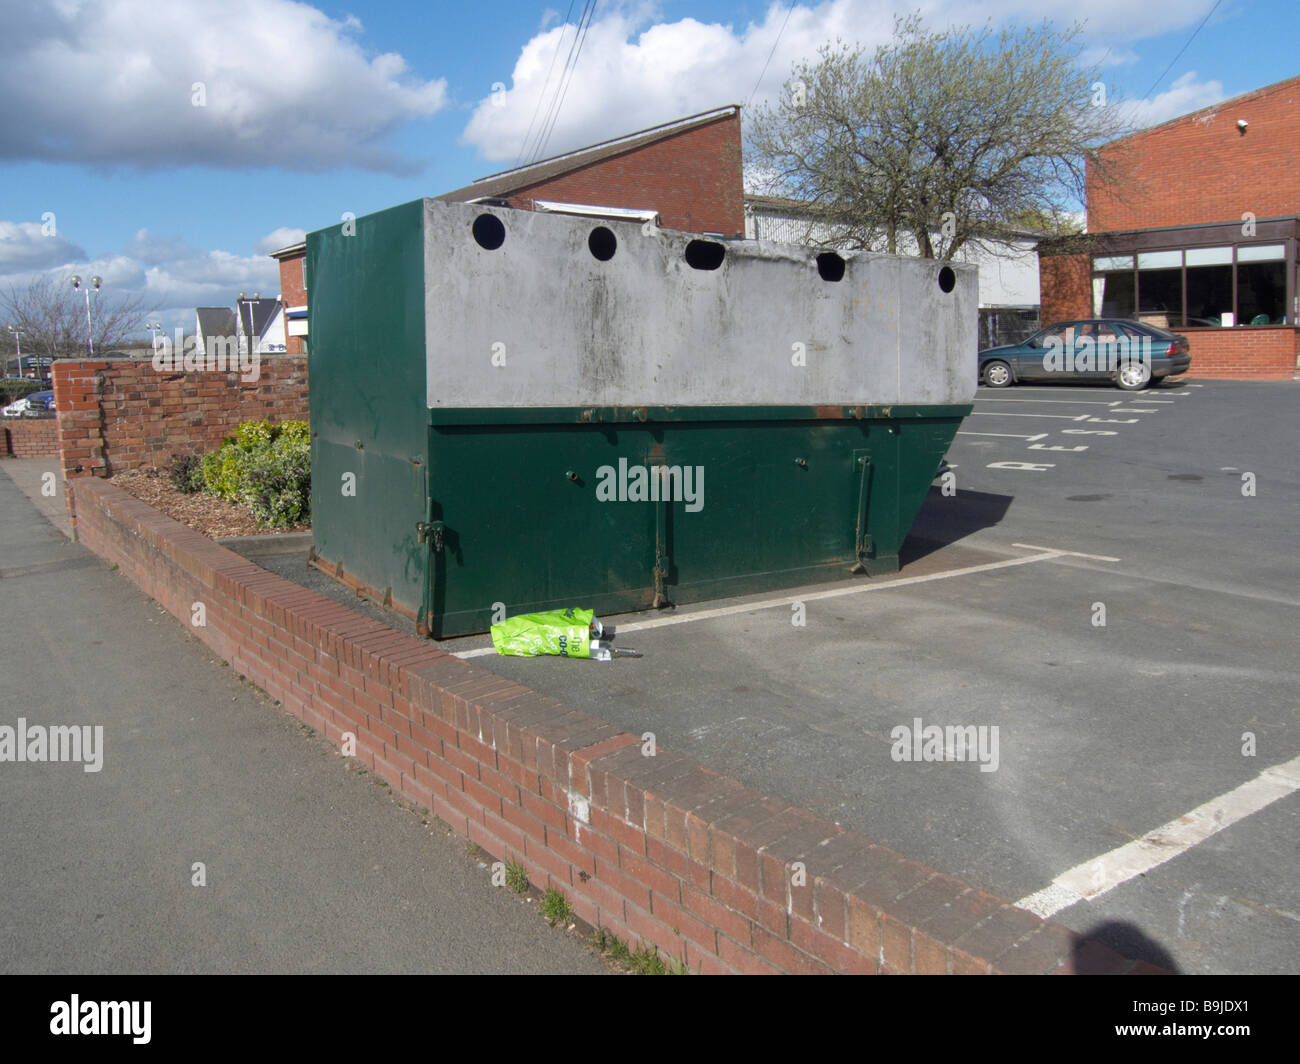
(565, 632)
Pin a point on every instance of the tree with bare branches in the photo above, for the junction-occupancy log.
(938, 139)
(50, 315)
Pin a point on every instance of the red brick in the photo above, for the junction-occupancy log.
(786, 957)
(743, 960)
(623, 884)
(683, 922)
(678, 864)
(717, 915)
(828, 950)
(580, 858)
(650, 875)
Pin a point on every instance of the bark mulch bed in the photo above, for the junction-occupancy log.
(204, 513)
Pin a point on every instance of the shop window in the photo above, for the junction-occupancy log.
(1151, 286)
(1118, 296)
(1261, 293)
(1160, 294)
(1209, 288)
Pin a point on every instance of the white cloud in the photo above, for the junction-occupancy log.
(280, 84)
(172, 277)
(33, 246)
(1187, 93)
(280, 238)
(634, 72)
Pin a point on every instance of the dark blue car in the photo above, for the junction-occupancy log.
(1132, 354)
(30, 405)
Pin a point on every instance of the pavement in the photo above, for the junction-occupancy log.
(41, 480)
(307, 865)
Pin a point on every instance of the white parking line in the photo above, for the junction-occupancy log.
(1006, 435)
(1078, 402)
(1068, 553)
(1000, 413)
(1103, 874)
(1047, 554)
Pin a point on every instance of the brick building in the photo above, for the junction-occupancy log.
(1196, 227)
(686, 174)
(293, 294)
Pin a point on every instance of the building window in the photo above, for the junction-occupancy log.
(1261, 285)
(1160, 287)
(1209, 286)
(1197, 288)
(1118, 298)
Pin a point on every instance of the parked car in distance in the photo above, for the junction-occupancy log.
(1132, 354)
(30, 405)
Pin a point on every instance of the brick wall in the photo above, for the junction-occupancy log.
(1065, 287)
(1254, 353)
(1201, 169)
(655, 849)
(35, 437)
(120, 415)
(693, 179)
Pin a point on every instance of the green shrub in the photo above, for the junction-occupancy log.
(265, 466)
(275, 484)
(294, 432)
(254, 435)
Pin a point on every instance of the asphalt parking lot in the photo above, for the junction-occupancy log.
(1146, 767)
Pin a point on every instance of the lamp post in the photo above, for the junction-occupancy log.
(153, 327)
(18, 346)
(95, 282)
(257, 296)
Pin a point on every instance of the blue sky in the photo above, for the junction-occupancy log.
(113, 161)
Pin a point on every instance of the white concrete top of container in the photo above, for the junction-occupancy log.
(541, 321)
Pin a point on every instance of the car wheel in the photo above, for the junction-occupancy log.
(1133, 376)
(997, 375)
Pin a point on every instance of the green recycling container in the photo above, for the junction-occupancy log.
(515, 411)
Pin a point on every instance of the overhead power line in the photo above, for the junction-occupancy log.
(1184, 47)
(566, 75)
(779, 34)
(541, 95)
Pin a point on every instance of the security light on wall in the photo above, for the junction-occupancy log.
(1242, 125)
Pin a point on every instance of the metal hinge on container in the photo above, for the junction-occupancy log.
(434, 530)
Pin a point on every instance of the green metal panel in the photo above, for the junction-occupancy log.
(780, 505)
(368, 416)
